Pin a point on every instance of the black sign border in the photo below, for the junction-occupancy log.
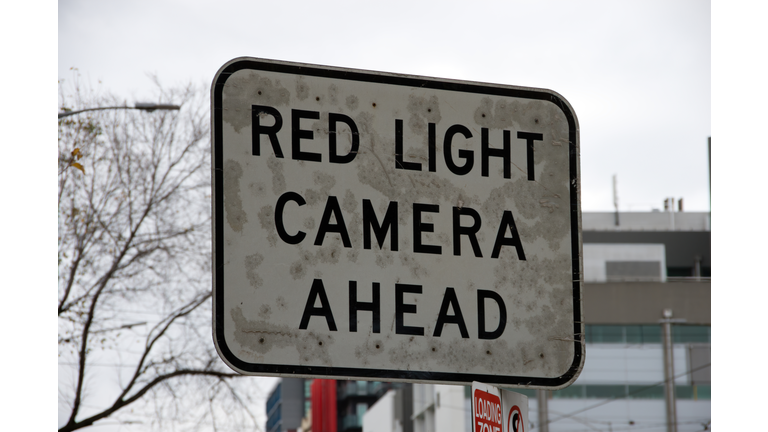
(401, 80)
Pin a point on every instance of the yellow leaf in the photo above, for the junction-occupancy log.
(76, 153)
(78, 166)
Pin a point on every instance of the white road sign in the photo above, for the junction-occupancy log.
(380, 226)
(514, 407)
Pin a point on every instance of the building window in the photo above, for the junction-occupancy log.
(361, 409)
(646, 334)
(645, 392)
(274, 419)
(572, 392)
(606, 391)
(642, 334)
(691, 334)
(621, 391)
(274, 398)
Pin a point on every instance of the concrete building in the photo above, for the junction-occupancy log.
(322, 405)
(286, 405)
(354, 398)
(393, 412)
(421, 408)
(635, 266)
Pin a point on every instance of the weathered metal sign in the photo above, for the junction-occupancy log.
(381, 226)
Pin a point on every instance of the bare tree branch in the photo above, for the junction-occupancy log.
(120, 403)
(134, 265)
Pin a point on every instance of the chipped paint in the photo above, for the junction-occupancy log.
(236, 217)
(252, 263)
(248, 86)
(315, 236)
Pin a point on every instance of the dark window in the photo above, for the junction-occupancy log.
(274, 398)
(646, 334)
(691, 334)
(633, 334)
(605, 334)
(651, 334)
(646, 392)
(703, 392)
(572, 392)
(679, 271)
(606, 391)
(684, 392)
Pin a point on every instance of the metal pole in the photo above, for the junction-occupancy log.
(672, 212)
(144, 106)
(697, 267)
(709, 161)
(541, 398)
(669, 369)
(615, 201)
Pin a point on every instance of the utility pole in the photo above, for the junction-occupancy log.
(669, 368)
(615, 201)
(709, 161)
(541, 398)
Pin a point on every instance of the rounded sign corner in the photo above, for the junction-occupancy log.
(225, 354)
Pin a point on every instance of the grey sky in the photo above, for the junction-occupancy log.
(636, 72)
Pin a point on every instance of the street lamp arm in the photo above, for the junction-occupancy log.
(144, 106)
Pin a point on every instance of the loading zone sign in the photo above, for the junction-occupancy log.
(378, 226)
(498, 410)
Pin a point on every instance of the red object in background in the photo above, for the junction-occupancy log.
(324, 405)
(487, 412)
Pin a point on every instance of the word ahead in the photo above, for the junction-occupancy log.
(318, 293)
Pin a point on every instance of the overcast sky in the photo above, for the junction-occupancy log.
(637, 73)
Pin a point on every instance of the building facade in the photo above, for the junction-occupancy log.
(636, 265)
(286, 405)
(322, 405)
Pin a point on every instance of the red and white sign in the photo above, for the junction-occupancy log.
(497, 410)
(486, 408)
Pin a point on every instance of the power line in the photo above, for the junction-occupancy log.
(615, 398)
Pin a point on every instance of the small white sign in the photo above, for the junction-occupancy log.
(515, 409)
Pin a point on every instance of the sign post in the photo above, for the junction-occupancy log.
(371, 225)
